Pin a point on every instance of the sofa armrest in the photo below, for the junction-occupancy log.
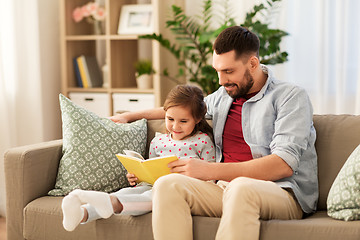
(30, 172)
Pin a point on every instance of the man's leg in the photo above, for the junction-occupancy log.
(175, 198)
(247, 200)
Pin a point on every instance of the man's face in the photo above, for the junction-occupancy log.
(233, 74)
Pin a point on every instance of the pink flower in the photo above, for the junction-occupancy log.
(91, 11)
(92, 7)
(77, 15)
(99, 15)
(85, 11)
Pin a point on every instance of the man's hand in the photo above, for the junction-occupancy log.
(131, 178)
(192, 167)
(126, 117)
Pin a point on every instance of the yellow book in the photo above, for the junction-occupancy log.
(146, 170)
(80, 60)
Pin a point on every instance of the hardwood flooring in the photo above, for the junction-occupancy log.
(2, 229)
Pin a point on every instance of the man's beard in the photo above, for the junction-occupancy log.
(242, 90)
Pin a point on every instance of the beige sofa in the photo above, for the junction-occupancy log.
(30, 173)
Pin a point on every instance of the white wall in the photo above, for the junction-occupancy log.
(50, 68)
(32, 113)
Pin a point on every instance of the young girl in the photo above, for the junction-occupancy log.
(188, 136)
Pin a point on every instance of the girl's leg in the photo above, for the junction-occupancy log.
(99, 200)
(97, 205)
(73, 213)
(136, 200)
(130, 201)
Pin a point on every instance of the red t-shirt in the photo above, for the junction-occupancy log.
(235, 149)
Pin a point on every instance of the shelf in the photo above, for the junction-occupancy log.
(131, 90)
(100, 37)
(85, 37)
(90, 90)
(117, 52)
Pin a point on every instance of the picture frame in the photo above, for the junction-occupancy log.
(136, 19)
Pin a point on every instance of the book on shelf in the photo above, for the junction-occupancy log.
(81, 63)
(77, 73)
(145, 170)
(93, 70)
(88, 71)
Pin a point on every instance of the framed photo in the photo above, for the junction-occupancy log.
(136, 19)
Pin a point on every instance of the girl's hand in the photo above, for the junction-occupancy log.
(131, 178)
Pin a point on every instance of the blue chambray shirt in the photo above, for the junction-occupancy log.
(277, 120)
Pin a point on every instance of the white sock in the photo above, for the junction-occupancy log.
(99, 200)
(73, 213)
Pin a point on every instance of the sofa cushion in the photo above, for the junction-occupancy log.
(344, 197)
(42, 218)
(335, 140)
(89, 146)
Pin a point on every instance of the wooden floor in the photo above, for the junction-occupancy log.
(2, 229)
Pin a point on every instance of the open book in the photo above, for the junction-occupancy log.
(145, 170)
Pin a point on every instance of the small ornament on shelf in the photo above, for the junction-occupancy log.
(144, 72)
(93, 14)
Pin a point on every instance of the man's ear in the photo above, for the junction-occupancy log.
(254, 62)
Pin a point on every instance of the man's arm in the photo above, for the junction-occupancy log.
(270, 168)
(156, 113)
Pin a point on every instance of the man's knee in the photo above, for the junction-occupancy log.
(243, 182)
(166, 180)
(168, 183)
(243, 188)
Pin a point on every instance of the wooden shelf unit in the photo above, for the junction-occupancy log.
(119, 52)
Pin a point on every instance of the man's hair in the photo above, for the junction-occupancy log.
(240, 39)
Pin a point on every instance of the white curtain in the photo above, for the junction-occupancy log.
(324, 52)
(7, 89)
(29, 76)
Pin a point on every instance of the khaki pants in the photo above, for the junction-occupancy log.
(240, 204)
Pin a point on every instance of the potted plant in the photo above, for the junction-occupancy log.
(195, 36)
(144, 71)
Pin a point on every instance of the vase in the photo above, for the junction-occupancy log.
(144, 81)
(98, 27)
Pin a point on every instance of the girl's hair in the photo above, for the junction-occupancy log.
(193, 98)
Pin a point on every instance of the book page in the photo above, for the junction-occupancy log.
(133, 154)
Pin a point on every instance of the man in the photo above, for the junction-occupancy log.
(266, 160)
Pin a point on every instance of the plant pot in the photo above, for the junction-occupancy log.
(144, 81)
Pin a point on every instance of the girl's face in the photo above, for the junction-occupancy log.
(179, 122)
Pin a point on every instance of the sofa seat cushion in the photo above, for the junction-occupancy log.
(316, 227)
(43, 218)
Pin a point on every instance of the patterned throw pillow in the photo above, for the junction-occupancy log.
(344, 197)
(89, 146)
